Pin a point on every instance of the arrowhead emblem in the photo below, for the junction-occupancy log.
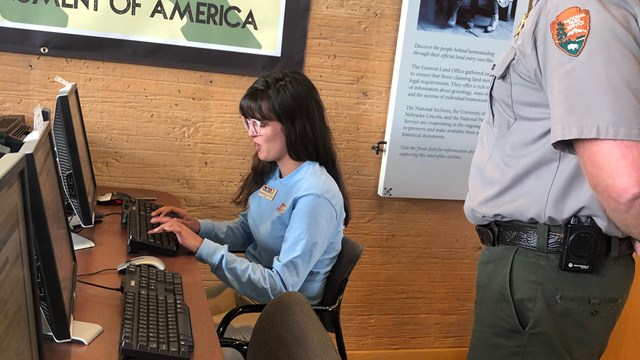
(570, 30)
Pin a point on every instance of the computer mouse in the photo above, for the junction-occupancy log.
(142, 260)
(112, 198)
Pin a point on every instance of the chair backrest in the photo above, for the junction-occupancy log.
(288, 328)
(339, 275)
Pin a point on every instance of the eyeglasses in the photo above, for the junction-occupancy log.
(253, 126)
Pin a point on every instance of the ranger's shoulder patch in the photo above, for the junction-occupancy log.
(570, 30)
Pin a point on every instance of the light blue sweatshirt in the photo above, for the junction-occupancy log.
(291, 232)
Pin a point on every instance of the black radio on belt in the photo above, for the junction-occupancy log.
(581, 240)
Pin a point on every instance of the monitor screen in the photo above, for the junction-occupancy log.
(19, 313)
(74, 158)
(56, 262)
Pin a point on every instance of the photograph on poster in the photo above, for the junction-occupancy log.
(439, 97)
(493, 19)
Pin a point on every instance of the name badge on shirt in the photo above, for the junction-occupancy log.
(267, 192)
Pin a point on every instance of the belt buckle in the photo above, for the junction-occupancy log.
(486, 234)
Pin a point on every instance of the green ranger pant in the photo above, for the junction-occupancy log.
(527, 308)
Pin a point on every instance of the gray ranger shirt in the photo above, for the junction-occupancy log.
(572, 73)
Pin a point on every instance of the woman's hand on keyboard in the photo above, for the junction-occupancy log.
(187, 238)
(166, 213)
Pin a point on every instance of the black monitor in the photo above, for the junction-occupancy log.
(56, 262)
(74, 158)
(19, 313)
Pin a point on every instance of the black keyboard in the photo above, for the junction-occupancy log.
(137, 213)
(155, 320)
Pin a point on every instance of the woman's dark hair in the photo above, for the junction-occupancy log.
(290, 98)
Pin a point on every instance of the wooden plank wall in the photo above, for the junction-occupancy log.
(179, 131)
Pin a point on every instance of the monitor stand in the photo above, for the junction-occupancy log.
(79, 242)
(81, 331)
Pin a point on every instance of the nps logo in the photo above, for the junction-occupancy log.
(570, 30)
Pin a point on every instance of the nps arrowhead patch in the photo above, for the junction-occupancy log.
(570, 30)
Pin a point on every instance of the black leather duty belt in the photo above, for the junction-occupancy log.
(526, 236)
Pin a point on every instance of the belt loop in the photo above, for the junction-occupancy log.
(615, 242)
(494, 226)
(543, 236)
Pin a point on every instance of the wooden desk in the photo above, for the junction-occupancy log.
(104, 307)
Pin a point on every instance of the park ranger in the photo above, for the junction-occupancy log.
(554, 185)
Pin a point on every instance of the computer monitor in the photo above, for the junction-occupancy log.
(74, 157)
(19, 313)
(56, 262)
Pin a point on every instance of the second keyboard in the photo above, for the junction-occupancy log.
(156, 323)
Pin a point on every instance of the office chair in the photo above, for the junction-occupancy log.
(329, 308)
(287, 329)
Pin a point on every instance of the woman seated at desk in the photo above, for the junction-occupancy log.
(294, 199)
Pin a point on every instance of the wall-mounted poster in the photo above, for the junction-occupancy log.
(230, 36)
(441, 78)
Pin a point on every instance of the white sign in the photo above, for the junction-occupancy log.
(441, 79)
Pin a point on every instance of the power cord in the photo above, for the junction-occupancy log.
(97, 272)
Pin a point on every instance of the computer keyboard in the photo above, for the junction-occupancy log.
(137, 213)
(156, 323)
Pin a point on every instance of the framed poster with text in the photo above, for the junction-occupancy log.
(439, 92)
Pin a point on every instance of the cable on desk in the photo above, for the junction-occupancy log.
(97, 272)
(113, 213)
(98, 217)
(119, 289)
